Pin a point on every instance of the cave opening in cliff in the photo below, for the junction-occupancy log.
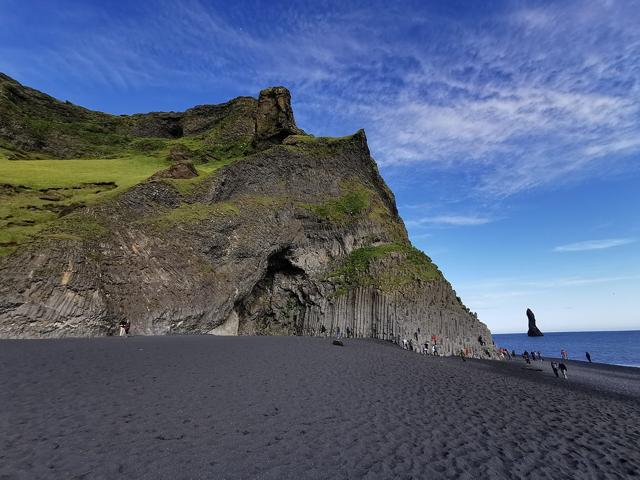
(274, 305)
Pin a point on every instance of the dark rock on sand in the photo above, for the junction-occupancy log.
(338, 343)
(533, 331)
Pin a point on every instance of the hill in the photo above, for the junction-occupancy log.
(223, 219)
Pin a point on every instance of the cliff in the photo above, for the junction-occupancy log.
(266, 230)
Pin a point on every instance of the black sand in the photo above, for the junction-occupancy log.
(273, 407)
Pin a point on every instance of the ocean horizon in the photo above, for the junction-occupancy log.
(620, 347)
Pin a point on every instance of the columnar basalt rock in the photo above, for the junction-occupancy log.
(300, 237)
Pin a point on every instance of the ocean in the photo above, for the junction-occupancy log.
(616, 348)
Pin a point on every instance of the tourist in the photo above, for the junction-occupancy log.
(323, 330)
(588, 357)
(462, 355)
(348, 331)
(554, 367)
(525, 355)
(123, 327)
(405, 344)
(127, 327)
(337, 332)
(425, 348)
(513, 353)
(563, 369)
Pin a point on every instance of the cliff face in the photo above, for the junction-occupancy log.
(298, 236)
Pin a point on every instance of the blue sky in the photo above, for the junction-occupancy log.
(508, 130)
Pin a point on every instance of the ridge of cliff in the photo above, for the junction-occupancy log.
(291, 234)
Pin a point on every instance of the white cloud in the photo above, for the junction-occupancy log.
(594, 245)
(537, 96)
(452, 220)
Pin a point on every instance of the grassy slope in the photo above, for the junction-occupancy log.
(410, 265)
(26, 214)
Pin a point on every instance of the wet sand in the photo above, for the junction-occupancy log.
(295, 407)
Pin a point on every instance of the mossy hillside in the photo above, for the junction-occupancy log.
(40, 123)
(189, 214)
(37, 125)
(78, 227)
(46, 189)
(317, 146)
(403, 266)
(351, 204)
(357, 202)
(38, 192)
(231, 136)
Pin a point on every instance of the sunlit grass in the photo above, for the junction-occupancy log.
(24, 214)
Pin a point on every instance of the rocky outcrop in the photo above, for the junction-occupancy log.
(533, 331)
(274, 119)
(298, 238)
(180, 170)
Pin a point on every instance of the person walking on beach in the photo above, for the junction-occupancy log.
(563, 369)
(123, 328)
(337, 332)
(554, 367)
(425, 348)
(588, 357)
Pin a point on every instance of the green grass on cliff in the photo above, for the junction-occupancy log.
(355, 200)
(190, 214)
(37, 193)
(407, 266)
(358, 202)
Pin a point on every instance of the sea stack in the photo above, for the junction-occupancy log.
(533, 331)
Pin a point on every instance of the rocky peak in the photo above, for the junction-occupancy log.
(533, 331)
(274, 119)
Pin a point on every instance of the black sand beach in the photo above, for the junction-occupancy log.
(295, 407)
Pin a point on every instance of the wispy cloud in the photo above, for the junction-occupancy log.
(594, 245)
(516, 97)
(451, 220)
(489, 293)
